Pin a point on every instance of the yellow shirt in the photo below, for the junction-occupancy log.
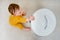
(17, 21)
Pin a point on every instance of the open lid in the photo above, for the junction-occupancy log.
(44, 22)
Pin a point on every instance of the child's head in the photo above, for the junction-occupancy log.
(15, 9)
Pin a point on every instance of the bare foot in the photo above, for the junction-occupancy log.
(27, 28)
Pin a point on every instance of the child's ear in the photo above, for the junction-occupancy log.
(13, 12)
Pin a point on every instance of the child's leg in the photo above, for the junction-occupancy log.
(20, 26)
(27, 28)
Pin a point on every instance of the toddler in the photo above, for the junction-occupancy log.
(16, 18)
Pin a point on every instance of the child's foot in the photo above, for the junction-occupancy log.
(27, 29)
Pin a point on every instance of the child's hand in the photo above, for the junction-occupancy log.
(31, 18)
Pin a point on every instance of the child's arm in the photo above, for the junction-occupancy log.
(23, 20)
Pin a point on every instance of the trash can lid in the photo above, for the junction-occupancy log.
(44, 22)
